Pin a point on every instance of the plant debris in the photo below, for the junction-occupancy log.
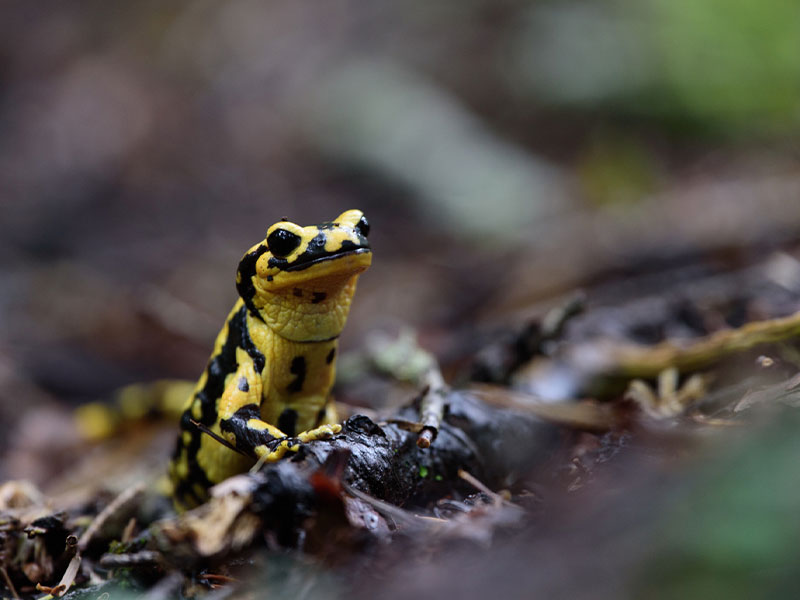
(457, 466)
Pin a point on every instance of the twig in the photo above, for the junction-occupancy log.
(432, 406)
(8, 582)
(66, 581)
(127, 533)
(583, 414)
(145, 558)
(115, 506)
(404, 424)
(259, 463)
(497, 499)
(403, 359)
(218, 438)
(390, 510)
(637, 361)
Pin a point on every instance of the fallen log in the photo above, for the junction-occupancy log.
(369, 478)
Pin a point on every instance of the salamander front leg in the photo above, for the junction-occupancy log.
(245, 430)
(248, 432)
(276, 449)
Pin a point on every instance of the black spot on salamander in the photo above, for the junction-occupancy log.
(329, 358)
(317, 245)
(184, 489)
(297, 368)
(280, 263)
(224, 363)
(246, 438)
(246, 342)
(297, 292)
(244, 277)
(318, 297)
(243, 385)
(287, 421)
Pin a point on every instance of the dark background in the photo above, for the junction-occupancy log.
(504, 152)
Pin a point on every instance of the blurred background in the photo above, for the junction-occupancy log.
(505, 152)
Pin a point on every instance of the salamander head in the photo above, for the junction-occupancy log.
(301, 280)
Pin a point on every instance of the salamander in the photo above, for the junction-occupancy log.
(266, 387)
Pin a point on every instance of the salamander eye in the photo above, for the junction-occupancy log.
(362, 226)
(281, 242)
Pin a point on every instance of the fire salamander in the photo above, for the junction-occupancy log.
(266, 387)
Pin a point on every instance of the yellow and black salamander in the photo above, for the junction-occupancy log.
(266, 387)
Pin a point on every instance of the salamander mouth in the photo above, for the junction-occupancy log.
(302, 263)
